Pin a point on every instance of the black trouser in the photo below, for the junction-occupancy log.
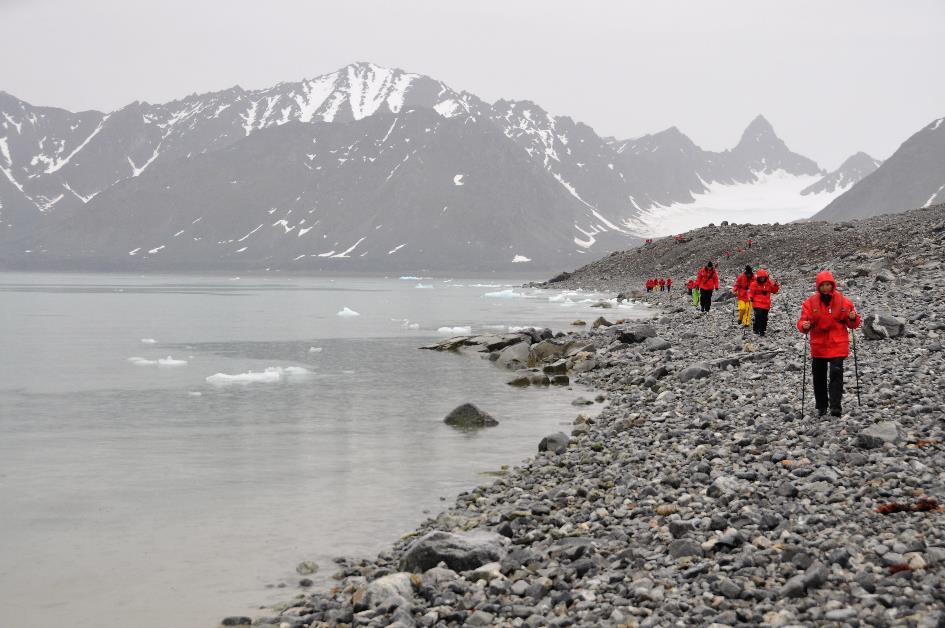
(824, 393)
(761, 321)
(705, 299)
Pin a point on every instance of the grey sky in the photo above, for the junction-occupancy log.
(833, 77)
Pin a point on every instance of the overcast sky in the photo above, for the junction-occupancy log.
(833, 77)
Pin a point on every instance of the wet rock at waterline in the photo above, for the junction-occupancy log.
(468, 416)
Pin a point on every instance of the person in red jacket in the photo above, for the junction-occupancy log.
(662, 285)
(759, 294)
(707, 280)
(669, 284)
(826, 316)
(741, 291)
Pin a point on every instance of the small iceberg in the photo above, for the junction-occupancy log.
(514, 330)
(348, 313)
(272, 375)
(410, 278)
(504, 294)
(148, 341)
(518, 259)
(314, 349)
(138, 361)
(169, 361)
(424, 286)
(455, 331)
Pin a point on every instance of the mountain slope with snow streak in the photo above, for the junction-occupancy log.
(363, 168)
(914, 176)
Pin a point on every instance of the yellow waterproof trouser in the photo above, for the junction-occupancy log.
(744, 312)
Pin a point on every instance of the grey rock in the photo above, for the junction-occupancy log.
(656, 344)
(555, 443)
(878, 326)
(683, 547)
(469, 416)
(696, 371)
(885, 431)
(459, 551)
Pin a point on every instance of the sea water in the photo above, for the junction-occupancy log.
(171, 447)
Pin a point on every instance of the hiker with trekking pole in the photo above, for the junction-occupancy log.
(826, 318)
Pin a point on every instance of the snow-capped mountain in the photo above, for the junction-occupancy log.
(846, 176)
(363, 168)
(914, 176)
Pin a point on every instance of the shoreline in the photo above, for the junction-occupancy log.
(700, 495)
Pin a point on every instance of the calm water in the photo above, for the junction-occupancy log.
(139, 493)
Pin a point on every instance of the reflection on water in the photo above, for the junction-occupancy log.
(146, 495)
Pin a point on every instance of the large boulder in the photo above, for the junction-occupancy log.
(637, 333)
(656, 344)
(601, 322)
(545, 350)
(395, 589)
(469, 416)
(556, 443)
(696, 371)
(459, 551)
(878, 326)
(514, 356)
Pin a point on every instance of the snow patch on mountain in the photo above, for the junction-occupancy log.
(774, 197)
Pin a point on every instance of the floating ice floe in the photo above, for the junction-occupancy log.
(272, 375)
(348, 312)
(410, 278)
(495, 327)
(168, 361)
(314, 349)
(504, 294)
(455, 331)
(518, 259)
(514, 330)
(195, 393)
(138, 361)
(148, 341)
(424, 286)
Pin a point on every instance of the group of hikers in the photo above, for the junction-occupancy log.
(826, 316)
(665, 284)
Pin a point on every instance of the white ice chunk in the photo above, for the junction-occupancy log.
(148, 341)
(169, 361)
(504, 294)
(410, 278)
(458, 179)
(314, 349)
(455, 331)
(520, 258)
(347, 312)
(138, 361)
(424, 286)
(272, 375)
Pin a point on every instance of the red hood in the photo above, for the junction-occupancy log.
(825, 276)
(761, 273)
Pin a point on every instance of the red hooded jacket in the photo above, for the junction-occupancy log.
(760, 293)
(741, 286)
(829, 322)
(690, 284)
(669, 281)
(707, 279)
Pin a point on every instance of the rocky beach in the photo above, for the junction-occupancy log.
(701, 494)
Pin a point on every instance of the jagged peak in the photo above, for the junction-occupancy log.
(759, 128)
(859, 159)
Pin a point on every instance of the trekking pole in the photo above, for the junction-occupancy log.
(856, 369)
(804, 381)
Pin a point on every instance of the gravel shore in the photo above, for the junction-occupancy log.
(701, 494)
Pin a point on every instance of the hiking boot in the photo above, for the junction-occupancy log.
(821, 411)
(835, 411)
